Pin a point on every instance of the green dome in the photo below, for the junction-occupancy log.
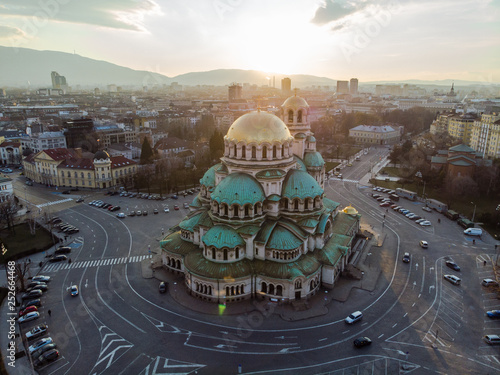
(300, 184)
(238, 188)
(209, 177)
(311, 139)
(300, 163)
(222, 236)
(313, 159)
(270, 173)
(282, 239)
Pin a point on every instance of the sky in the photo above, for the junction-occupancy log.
(368, 39)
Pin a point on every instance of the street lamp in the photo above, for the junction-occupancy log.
(474, 212)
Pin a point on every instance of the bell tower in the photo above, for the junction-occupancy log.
(295, 113)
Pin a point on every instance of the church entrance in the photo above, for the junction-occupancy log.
(297, 295)
(104, 185)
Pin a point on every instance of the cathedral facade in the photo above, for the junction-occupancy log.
(261, 226)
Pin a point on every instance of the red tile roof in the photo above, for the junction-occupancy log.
(58, 153)
(121, 161)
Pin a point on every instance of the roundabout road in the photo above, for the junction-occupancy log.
(419, 323)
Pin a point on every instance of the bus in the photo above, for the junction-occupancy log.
(437, 205)
(411, 195)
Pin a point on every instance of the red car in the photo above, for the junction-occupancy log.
(27, 310)
(176, 207)
(385, 204)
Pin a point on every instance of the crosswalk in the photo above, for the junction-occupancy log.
(94, 263)
(54, 202)
(343, 180)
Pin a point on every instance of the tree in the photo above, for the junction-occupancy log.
(8, 209)
(216, 144)
(146, 152)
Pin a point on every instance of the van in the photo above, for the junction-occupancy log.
(492, 339)
(473, 231)
(489, 282)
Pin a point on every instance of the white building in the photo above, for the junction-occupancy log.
(44, 141)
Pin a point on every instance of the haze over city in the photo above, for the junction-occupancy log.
(373, 40)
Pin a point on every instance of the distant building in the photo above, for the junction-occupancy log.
(6, 189)
(234, 92)
(485, 135)
(460, 160)
(171, 146)
(458, 126)
(67, 168)
(286, 86)
(371, 134)
(353, 86)
(43, 141)
(342, 87)
(78, 134)
(58, 81)
(10, 152)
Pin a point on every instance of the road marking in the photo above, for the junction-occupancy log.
(326, 338)
(404, 316)
(93, 263)
(394, 325)
(380, 336)
(345, 332)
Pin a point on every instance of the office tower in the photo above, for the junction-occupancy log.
(342, 87)
(234, 92)
(353, 87)
(58, 81)
(286, 85)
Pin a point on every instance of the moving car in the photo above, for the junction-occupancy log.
(362, 341)
(493, 314)
(73, 290)
(46, 357)
(424, 244)
(38, 331)
(58, 258)
(162, 288)
(406, 258)
(452, 279)
(29, 317)
(354, 317)
(452, 265)
(39, 344)
(79, 200)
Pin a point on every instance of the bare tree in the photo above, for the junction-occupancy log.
(21, 269)
(7, 210)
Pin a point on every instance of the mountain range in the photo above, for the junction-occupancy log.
(20, 67)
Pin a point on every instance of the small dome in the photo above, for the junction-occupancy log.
(221, 236)
(313, 160)
(350, 210)
(311, 139)
(258, 127)
(101, 155)
(238, 188)
(300, 184)
(208, 178)
(295, 102)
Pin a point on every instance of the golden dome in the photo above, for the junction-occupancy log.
(295, 102)
(350, 210)
(258, 127)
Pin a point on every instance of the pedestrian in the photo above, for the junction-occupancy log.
(473, 242)
(50, 313)
(484, 263)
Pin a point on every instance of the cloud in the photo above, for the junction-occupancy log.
(10, 32)
(116, 14)
(333, 10)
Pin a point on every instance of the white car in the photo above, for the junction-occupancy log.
(41, 278)
(121, 215)
(28, 317)
(452, 279)
(40, 344)
(166, 209)
(36, 332)
(425, 208)
(425, 223)
(424, 244)
(354, 317)
(419, 221)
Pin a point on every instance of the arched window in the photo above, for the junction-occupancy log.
(235, 151)
(254, 152)
(213, 253)
(285, 204)
(274, 152)
(236, 210)
(225, 210)
(243, 152)
(271, 289)
(237, 252)
(264, 152)
(225, 254)
(298, 284)
(283, 151)
(247, 210)
(296, 204)
(263, 288)
(306, 204)
(290, 116)
(279, 290)
(299, 116)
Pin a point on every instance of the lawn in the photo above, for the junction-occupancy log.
(329, 165)
(23, 243)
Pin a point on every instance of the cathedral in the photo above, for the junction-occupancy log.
(261, 226)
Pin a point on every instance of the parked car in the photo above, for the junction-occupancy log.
(27, 310)
(46, 357)
(28, 317)
(385, 204)
(473, 232)
(121, 215)
(58, 258)
(406, 258)
(354, 317)
(162, 288)
(62, 250)
(39, 344)
(145, 213)
(43, 278)
(452, 265)
(425, 208)
(42, 287)
(489, 282)
(492, 339)
(38, 331)
(424, 244)
(166, 209)
(155, 211)
(43, 349)
(176, 208)
(139, 213)
(425, 223)
(175, 197)
(32, 295)
(73, 290)
(34, 283)
(493, 314)
(79, 200)
(186, 205)
(115, 208)
(33, 302)
(362, 341)
(132, 213)
(452, 279)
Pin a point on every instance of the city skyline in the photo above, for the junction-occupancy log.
(389, 40)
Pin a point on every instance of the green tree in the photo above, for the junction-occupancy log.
(216, 144)
(146, 152)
